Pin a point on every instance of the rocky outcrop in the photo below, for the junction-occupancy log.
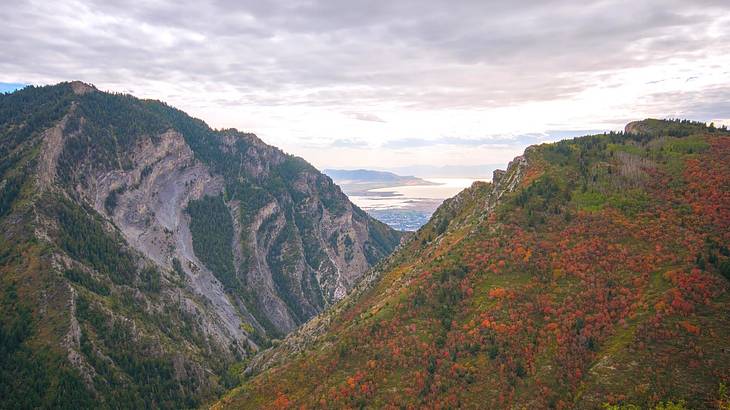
(636, 127)
(81, 88)
(148, 209)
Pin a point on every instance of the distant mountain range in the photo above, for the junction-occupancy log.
(359, 181)
(368, 175)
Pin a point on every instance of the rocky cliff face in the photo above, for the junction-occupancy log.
(168, 249)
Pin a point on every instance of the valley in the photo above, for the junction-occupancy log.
(591, 273)
(150, 260)
(340, 205)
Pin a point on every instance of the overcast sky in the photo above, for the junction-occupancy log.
(388, 83)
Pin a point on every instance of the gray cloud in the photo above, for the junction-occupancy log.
(335, 143)
(419, 54)
(493, 141)
(708, 104)
(363, 116)
(348, 143)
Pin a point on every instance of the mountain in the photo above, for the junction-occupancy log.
(359, 181)
(592, 272)
(367, 175)
(143, 254)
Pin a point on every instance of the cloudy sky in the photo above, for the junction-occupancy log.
(388, 83)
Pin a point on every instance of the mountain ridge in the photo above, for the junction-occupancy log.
(367, 175)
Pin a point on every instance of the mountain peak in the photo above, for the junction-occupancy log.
(81, 88)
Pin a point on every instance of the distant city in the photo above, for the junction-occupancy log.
(401, 219)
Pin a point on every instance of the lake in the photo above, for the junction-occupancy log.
(409, 207)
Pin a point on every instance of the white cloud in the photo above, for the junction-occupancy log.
(327, 73)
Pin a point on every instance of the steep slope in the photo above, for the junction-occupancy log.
(591, 271)
(143, 253)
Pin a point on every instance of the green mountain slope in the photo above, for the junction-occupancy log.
(593, 271)
(142, 254)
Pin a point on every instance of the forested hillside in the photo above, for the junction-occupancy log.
(592, 272)
(144, 256)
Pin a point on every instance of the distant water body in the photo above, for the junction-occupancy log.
(409, 207)
(406, 196)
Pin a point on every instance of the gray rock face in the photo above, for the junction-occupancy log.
(151, 198)
(150, 214)
(635, 127)
(298, 244)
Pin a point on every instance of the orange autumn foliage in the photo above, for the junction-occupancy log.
(497, 293)
(690, 328)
